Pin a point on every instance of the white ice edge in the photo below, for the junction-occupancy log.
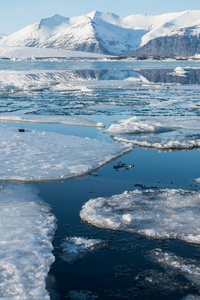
(165, 145)
(162, 214)
(36, 156)
(27, 229)
(75, 248)
(50, 119)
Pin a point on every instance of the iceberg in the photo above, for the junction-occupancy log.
(75, 248)
(162, 214)
(50, 119)
(27, 229)
(35, 156)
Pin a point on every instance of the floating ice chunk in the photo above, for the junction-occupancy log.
(154, 125)
(134, 125)
(191, 297)
(41, 156)
(187, 267)
(180, 71)
(50, 119)
(27, 228)
(152, 279)
(75, 248)
(158, 143)
(163, 214)
(197, 180)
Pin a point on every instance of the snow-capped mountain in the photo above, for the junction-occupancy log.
(35, 34)
(108, 33)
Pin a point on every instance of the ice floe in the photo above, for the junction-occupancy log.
(41, 156)
(75, 248)
(153, 125)
(50, 119)
(163, 214)
(162, 144)
(197, 180)
(27, 229)
(189, 268)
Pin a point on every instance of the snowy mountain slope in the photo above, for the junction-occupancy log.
(180, 42)
(108, 33)
(95, 35)
(33, 35)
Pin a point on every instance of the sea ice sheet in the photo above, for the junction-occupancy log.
(163, 214)
(27, 228)
(75, 248)
(50, 119)
(41, 156)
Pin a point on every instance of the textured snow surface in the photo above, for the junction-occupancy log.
(163, 214)
(75, 248)
(27, 228)
(103, 32)
(179, 143)
(50, 119)
(187, 267)
(154, 125)
(41, 156)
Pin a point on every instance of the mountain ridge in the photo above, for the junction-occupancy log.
(108, 33)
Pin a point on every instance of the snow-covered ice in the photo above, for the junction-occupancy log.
(41, 156)
(50, 119)
(27, 229)
(179, 143)
(153, 125)
(187, 267)
(163, 214)
(75, 248)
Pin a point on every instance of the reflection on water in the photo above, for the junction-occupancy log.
(144, 92)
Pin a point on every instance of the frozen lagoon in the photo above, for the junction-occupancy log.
(113, 271)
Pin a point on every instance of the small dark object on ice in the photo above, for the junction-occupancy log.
(21, 130)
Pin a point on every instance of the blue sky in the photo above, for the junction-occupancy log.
(16, 14)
